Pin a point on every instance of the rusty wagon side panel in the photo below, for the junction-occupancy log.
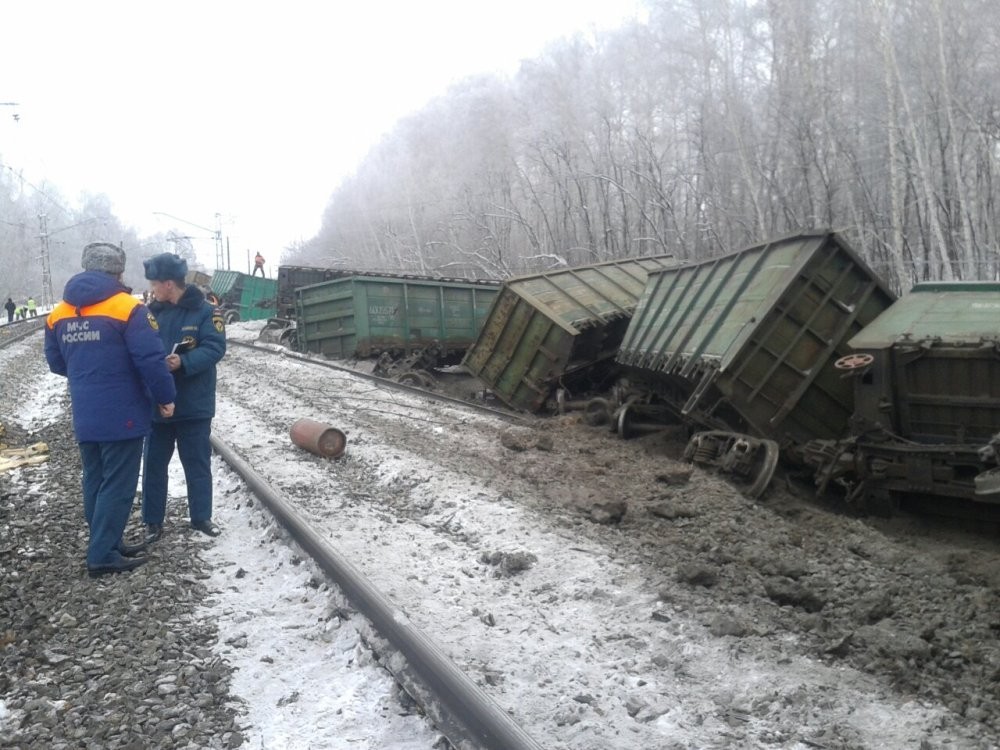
(366, 315)
(549, 326)
(755, 333)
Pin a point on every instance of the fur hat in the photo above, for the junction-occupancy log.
(103, 256)
(166, 267)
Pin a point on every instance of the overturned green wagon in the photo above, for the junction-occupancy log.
(245, 297)
(744, 347)
(748, 341)
(369, 315)
(557, 327)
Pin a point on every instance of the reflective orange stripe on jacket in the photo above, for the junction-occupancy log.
(117, 307)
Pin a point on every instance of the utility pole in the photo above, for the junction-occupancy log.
(43, 234)
(216, 234)
(220, 258)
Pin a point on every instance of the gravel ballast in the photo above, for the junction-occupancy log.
(119, 661)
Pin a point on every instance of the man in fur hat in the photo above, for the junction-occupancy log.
(103, 340)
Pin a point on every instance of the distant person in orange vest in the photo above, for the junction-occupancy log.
(258, 265)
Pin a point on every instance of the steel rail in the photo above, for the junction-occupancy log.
(24, 328)
(506, 416)
(470, 715)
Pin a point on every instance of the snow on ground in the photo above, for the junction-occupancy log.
(304, 677)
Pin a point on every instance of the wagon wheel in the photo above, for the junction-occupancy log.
(411, 378)
(561, 401)
(854, 361)
(615, 420)
(768, 461)
(289, 338)
(426, 379)
(630, 426)
(597, 412)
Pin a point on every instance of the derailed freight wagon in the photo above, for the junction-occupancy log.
(409, 322)
(245, 297)
(745, 346)
(281, 329)
(291, 278)
(926, 382)
(558, 327)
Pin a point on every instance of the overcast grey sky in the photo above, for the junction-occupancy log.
(252, 111)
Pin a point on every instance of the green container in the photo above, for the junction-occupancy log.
(561, 324)
(245, 297)
(366, 315)
(749, 340)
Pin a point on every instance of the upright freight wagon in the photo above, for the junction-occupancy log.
(281, 329)
(557, 327)
(431, 320)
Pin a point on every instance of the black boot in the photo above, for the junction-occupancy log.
(121, 566)
(205, 527)
(130, 550)
(153, 532)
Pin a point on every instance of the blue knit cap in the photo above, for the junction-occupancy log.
(166, 267)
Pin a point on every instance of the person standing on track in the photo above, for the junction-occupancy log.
(32, 307)
(194, 335)
(10, 306)
(104, 341)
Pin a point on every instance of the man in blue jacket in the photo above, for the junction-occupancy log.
(103, 340)
(194, 336)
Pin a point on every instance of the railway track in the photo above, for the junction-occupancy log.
(19, 329)
(461, 710)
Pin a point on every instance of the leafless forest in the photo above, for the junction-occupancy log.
(717, 124)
